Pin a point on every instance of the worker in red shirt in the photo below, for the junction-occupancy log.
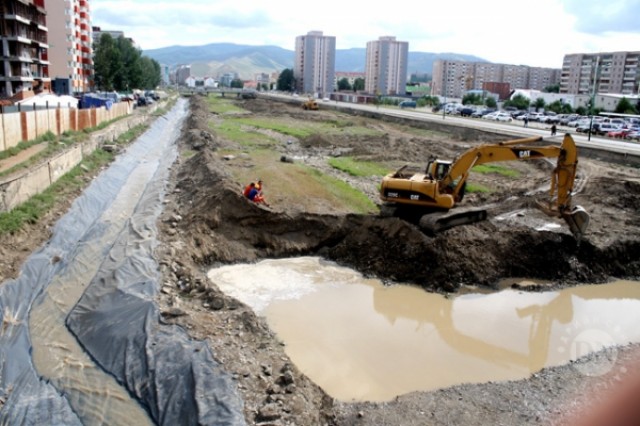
(248, 189)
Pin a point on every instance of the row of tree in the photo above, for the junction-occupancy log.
(119, 66)
(287, 82)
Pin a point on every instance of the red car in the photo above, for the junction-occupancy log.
(618, 134)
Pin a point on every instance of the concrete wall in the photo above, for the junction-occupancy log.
(17, 191)
(11, 130)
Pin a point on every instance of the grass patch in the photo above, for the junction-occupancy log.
(301, 185)
(344, 192)
(496, 168)
(297, 132)
(234, 131)
(309, 128)
(220, 105)
(21, 146)
(358, 168)
(475, 187)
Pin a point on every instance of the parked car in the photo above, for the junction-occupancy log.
(585, 125)
(618, 134)
(604, 128)
(502, 116)
(466, 111)
(634, 136)
(568, 119)
(534, 116)
(408, 104)
(142, 101)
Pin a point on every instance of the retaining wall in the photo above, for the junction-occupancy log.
(17, 189)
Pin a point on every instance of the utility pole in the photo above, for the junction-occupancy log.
(593, 96)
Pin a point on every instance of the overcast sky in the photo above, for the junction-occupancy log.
(535, 33)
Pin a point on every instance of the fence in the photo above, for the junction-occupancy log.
(17, 189)
(16, 127)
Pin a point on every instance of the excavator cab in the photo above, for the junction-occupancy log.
(437, 169)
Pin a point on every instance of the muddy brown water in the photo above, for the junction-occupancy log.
(361, 340)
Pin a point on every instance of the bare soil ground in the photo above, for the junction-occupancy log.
(207, 223)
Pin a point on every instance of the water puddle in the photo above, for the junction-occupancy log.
(360, 340)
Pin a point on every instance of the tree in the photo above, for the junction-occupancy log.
(107, 63)
(490, 102)
(519, 101)
(150, 73)
(286, 81)
(119, 66)
(554, 88)
(358, 84)
(428, 100)
(581, 110)
(625, 107)
(237, 83)
(555, 106)
(539, 104)
(472, 99)
(343, 84)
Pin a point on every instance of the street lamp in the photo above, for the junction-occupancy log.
(444, 94)
(593, 96)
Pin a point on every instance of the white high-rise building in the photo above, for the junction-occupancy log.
(386, 66)
(314, 65)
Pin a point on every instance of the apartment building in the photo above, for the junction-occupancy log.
(71, 43)
(25, 57)
(605, 72)
(454, 78)
(314, 63)
(386, 66)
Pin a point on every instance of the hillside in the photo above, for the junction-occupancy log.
(219, 58)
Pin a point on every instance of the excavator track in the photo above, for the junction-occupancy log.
(434, 223)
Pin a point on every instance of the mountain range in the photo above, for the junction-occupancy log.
(247, 61)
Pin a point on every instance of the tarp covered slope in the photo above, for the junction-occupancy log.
(173, 379)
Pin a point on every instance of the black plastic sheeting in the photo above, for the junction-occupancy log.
(116, 321)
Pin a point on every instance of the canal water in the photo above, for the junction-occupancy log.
(361, 340)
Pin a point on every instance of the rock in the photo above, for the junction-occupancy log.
(268, 413)
(173, 313)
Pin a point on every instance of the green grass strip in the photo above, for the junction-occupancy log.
(496, 168)
(358, 168)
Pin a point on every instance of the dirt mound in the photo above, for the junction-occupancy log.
(224, 227)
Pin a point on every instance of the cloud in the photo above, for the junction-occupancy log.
(602, 17)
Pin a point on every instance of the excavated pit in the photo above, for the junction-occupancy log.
(207, 223)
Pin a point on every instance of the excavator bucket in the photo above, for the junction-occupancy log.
(578, 221)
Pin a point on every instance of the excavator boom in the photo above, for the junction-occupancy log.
(441, 187)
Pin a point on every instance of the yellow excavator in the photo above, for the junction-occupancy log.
(310, 104)
(432, 197)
